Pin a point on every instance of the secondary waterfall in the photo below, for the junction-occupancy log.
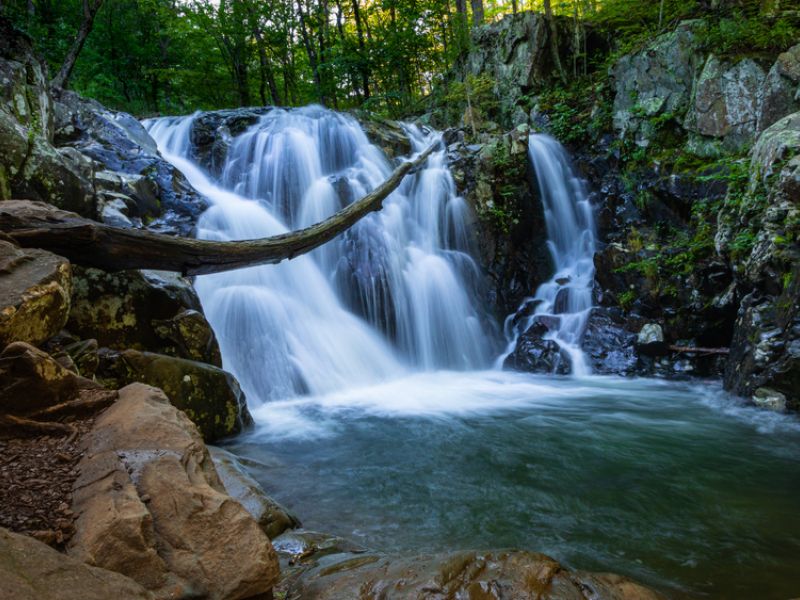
(395, 293)
(564, 302)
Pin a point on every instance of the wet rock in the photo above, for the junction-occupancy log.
(608, 347)
(212, 133)
(210, 397)
(128, 164)
(142, 310)
(536, 354)
(30, 570)
(769, 399)
(273, 518)
(489, 575)
(35, 291)
(650, 340)
(387, 135)
(150, 505)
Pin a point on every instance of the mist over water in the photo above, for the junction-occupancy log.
(366, 365)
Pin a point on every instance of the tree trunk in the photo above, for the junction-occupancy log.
(89, 243)
(90, 8)
(551, 25)
(363, 61)
(477, 12)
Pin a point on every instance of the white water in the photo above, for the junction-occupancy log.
(393, 295)
(564, 302)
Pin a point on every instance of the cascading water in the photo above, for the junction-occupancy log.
(396, 292)
(564, 302)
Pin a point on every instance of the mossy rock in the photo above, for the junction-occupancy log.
(209, 396)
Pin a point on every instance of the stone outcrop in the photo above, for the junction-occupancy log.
(765, 351)
(35, 289)
(30, 570)
(209, 396)
(273, 518)
(151, 506)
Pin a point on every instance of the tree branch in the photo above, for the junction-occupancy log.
(89, 243)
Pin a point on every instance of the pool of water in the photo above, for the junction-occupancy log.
(675, 484)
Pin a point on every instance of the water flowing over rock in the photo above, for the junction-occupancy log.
(562, 305)
(397, 289)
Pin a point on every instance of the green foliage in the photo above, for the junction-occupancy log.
(746, 32)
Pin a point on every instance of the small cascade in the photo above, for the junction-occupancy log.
(564, 302)
(394, 294)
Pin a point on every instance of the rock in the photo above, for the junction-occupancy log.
(142, 310)
(273, 518)
(129, 165)
(535, 354)
(608, 347)
(387, 135)
(212, 132)
(650, 341)
(655, 81)
(210, 397)
(489, 575)
(150, 505)
(35, 289)
(30, 570)
(769, 399)
(31, 380)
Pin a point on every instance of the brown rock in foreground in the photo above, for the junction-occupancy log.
(34, 294)
(151, 506)
(29, 570)
(501, 575)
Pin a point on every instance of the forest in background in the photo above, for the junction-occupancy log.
(387, 56)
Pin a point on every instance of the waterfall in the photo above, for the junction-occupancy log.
(394, 294)
(564, 302)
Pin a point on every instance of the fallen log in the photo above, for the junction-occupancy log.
(89, 243)
(700, 350)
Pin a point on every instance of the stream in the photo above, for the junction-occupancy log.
(367, 367)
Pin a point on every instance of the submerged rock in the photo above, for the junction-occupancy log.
(484, 575)
(30, 570)
(151, 506)
(35, 291)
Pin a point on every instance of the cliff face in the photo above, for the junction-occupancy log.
(691, 157)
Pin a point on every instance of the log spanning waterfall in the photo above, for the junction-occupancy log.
(564, 302)
(395, 293)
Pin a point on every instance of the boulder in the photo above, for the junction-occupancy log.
(769, 399)
(210, 397)
(273, 518)
(534, 353)
(490, 575)
(212, 132)
(609, 348)
(35, 289)
(31, 570)
(387, 135)
(150, 505)
(32, 380)
(143, 310)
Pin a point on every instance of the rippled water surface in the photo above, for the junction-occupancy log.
(674, 484)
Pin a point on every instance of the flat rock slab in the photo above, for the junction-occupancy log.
(30, 570)
(35, 289)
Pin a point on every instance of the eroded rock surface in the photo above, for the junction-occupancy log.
(151, 506)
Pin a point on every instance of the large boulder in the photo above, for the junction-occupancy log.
(134, 184)
(30, 570)
(151, 506)
(210, 397)
(273, 518)
(143, 310)
(35, 289)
